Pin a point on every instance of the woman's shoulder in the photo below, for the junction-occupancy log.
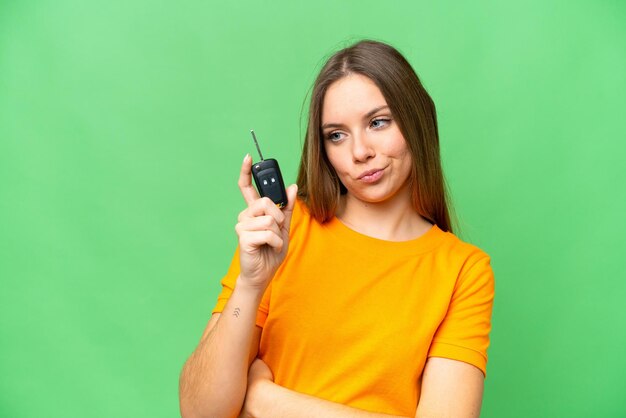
(300, 217)
(300, 212)
(300, 208)
(460, 249)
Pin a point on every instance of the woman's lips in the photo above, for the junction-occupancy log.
(371, 176)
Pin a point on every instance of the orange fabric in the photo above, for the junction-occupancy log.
(352, 319)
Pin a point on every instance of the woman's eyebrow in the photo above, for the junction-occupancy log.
(374, 111)
(331, 125)
(366, 116)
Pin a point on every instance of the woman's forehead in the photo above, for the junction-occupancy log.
(351, 96)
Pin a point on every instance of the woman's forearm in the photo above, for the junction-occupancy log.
(214, 379)
(275, 401)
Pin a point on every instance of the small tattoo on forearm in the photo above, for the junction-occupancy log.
(236, 312)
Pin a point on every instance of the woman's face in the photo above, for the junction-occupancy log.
(363, 142)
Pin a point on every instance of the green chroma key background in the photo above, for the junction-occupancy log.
(123, 125)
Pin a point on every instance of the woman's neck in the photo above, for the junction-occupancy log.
(392, 220)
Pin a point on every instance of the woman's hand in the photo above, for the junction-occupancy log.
(263, 231)
(258, 375)
(259, 371)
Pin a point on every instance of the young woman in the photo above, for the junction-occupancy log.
(356, 300)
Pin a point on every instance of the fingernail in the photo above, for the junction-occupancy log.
(246, 157)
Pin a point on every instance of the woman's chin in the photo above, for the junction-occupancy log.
(374, 197)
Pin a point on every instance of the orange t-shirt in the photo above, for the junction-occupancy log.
(352, 319)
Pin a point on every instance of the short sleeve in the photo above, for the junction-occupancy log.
(464, 332)
(228, 285)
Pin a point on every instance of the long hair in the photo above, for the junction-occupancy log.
(412, 108)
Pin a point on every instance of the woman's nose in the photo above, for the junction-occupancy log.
(362, 149)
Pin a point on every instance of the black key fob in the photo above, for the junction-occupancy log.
(269, 181)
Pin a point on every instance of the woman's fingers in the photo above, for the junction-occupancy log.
(252, 240)
(262, 222)
(259, 223)
(261, 207)
(259, 230)
(248, 191)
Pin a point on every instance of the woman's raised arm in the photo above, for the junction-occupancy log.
(214, 379)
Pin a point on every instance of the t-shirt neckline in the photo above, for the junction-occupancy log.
(425, 242)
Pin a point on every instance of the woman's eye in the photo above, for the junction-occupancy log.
(334, 136)
(379, 123)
